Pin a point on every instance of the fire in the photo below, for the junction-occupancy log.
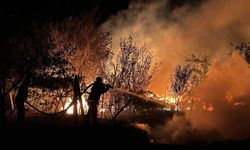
(71, 109)
(168, 99)
(188, 108)
(210, 107)
(239, 104)
(172, 101)
(229, 99)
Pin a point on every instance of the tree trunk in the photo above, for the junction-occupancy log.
(177, 105)
(81, 107)
(75, 110)
(77, 95)
(191, 108)
(11, 101)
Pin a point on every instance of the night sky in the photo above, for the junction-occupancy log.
(47, 9)
(17, 15)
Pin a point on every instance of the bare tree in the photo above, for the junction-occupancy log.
(180, 80)
(199, 65)
(23, 55)
(186, 79)
(53, 54)
(77, 48)
(132, 69)
(244, 50)
(82, 43)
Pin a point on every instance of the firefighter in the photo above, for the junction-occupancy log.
(97, 89)
(21, 97)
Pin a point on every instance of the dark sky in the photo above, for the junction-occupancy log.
(16, 15)
(54, 9)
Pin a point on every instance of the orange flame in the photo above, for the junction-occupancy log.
(71, 109)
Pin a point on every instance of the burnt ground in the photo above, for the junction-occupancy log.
(44, 132)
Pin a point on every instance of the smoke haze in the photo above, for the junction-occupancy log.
(208, 28)
(173, 35)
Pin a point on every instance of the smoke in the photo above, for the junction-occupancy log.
(226, 121)
(208, 28)
(173, 34)
(178, 131)
(227, 88)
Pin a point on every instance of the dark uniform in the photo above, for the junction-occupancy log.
(97, 89)
(21, 97)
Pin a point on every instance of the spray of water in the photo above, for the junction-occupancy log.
(139, 96)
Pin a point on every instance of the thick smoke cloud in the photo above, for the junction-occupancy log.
(209, 29)
(227, 88)
(173, 35)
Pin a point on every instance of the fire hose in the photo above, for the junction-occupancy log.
(63, 111)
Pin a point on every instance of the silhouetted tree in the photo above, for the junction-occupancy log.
(186, 79)
(52, 54)
(199, 65)
(22, 55)
(84, 45)
(59, 52)
(131, 69)
(244, 50)
(180, 82)
(34, 57)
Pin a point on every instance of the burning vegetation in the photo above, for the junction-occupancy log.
(206, 93)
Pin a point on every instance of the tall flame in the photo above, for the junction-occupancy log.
(71, 109)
